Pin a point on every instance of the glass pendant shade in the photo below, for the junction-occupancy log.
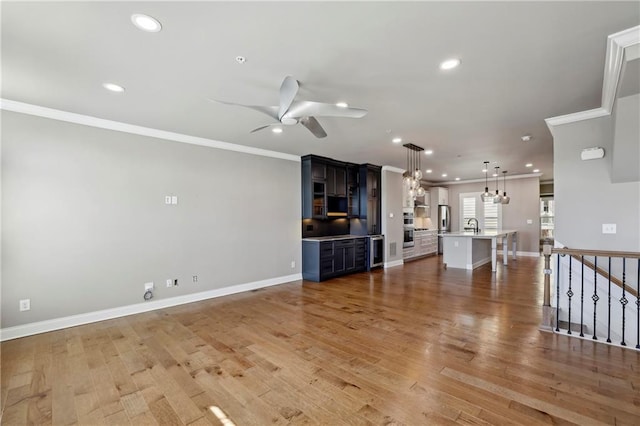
(413, 173)
(497, 198)
(505, 197)
(486, 195)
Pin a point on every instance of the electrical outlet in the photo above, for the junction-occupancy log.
(148, 286)
(608, 228)
(169, 283)
(529, 221)
(195, 278)
(175, 282)
(167, 199)
(25, 305)
(293, 264)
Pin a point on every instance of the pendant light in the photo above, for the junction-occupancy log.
(486, 195)
(497, 199)
(413, 174)
(505, 197)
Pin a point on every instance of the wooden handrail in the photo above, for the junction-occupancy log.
(577, 255)
(604, 253)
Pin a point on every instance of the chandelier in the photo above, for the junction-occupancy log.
(413, 174)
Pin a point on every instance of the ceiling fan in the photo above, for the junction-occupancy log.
(291, 112)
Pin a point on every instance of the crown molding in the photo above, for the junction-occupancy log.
(620, 48)
(87, 120)
(461, 182)
(392, 169)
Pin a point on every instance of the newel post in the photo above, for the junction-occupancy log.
(547, 309)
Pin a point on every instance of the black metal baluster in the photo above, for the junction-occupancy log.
(558, 295)
(595, 296)
(609, 307)
(623, 300)
(569, 294)
(582, 297)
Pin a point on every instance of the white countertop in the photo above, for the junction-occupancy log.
(492, 233)
(335, 237)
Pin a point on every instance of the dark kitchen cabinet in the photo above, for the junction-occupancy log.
(353, 190)
(322, 260)
(324, 187)
(370, 200)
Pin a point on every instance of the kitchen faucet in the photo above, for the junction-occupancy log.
(475, 228)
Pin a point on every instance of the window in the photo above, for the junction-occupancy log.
(489, 215)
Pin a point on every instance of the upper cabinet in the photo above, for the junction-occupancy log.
(439, 196)
(324, 188)
(332, 188)
(370, 200)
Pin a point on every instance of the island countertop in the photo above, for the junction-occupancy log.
(491, 233)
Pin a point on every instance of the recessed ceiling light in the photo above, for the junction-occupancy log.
(396, 140)
(241, 59)
(428, 170)
(457, 178)
(449, 64)
(146, 23)
(485, 170)
(444, 175)
(536, 170)
(342, 105)
(277, 130)
(113, 87)
(428, 152)
(528, 165)
(495, 175)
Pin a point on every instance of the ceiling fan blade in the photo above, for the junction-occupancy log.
(263, 127)
(271, 111)
(314, 127)
(320, 109)
(288, 91)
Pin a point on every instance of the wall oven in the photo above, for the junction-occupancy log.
(407, 220)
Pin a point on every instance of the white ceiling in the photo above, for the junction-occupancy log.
(522, 62)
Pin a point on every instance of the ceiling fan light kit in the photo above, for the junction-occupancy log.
(290, 112)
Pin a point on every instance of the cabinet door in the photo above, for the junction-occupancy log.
(318, 170)
(353, 192)
(338, 260)
(340, 174)
(319, 199)
(350, 258)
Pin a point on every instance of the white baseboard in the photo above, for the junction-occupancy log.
(394, 263)
(24, 330)
(480, 262)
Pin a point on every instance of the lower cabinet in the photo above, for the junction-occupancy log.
(425, 244)
(326, 259)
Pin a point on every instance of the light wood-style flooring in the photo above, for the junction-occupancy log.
(414, 345)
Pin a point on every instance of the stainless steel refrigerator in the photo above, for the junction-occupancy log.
(444, 223)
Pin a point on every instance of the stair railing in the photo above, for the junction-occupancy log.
(576, 275)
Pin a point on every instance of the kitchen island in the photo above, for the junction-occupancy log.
(469, 250)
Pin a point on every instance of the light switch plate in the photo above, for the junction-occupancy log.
(608, 228)
(174, 199)
(167, 199)
(529, 221)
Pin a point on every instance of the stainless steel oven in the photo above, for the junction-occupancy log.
(408, 237)
(376, 251)
(407, 220)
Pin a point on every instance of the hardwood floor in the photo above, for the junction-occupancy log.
(414, 345)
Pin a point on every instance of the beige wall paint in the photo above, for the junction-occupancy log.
(84, 223)
(524, 205)
(392, 204)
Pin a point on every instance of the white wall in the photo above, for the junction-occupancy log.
(585, 197)
(84, 224)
